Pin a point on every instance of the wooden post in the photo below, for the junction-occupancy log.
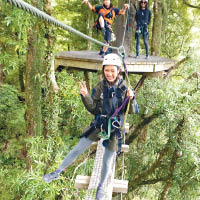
(87, 80)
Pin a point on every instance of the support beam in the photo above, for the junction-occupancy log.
(119, 186)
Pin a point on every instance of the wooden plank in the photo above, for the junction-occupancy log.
(119, 186)
(79, 64)
(96, 173)
(125, 147)
(82, 182)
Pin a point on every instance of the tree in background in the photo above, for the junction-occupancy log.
(122, 27)
(164, 137)
(35, 55)
(157, 28)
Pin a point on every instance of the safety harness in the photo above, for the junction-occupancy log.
(112, 121)
(109, 122)
(108, 14)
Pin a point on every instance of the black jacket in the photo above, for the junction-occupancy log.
(143, 17)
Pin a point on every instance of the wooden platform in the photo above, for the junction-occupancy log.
(92, 61)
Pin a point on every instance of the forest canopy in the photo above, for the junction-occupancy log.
(40, 125)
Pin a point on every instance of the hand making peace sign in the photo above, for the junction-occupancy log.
(83, 88)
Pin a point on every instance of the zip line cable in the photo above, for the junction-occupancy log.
(38, 13)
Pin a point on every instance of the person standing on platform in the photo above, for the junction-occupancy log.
(106, 98)
(143, 19)
(106, 14)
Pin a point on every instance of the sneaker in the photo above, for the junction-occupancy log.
(136, 56)
(147, 57)
(100, 193)
(52, 176)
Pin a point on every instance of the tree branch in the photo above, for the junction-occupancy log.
(169, 178)
(172, 165)
(144, 123)
(188, 177)
(153, 181)
(168, 72)
(190, 5)
(139, 178)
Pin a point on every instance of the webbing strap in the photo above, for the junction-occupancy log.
(119, 109)
(103, 134)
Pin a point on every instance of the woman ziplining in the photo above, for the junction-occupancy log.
(106, 14)
(107, 97)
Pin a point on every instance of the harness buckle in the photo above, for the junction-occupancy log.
(112, 94)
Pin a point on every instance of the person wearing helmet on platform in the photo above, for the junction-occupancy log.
(105, 99)
(106, 14)
(143, 18)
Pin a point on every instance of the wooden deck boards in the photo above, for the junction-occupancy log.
(92, 61)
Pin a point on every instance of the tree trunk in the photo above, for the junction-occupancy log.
(49, 104)
(21, 78)
(120, 25)
(90, 22)
(33, 77)
(1, 75)
(157, 29)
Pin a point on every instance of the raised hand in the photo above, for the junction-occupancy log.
(130, 93)
(83, 88)
(126, 6)
(85, 1)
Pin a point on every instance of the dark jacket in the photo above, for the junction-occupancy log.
(94, 102)
(143, 17)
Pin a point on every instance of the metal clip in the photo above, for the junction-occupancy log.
(121, 51)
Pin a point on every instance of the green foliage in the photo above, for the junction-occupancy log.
(78, 16)
(11, 113)
(13, 36)
(174, 103)
(45, 154)
(176, 127)
(23, 184)
(176, 33)
(72, 110)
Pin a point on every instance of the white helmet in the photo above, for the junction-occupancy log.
(144, 0)
(112, 59)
